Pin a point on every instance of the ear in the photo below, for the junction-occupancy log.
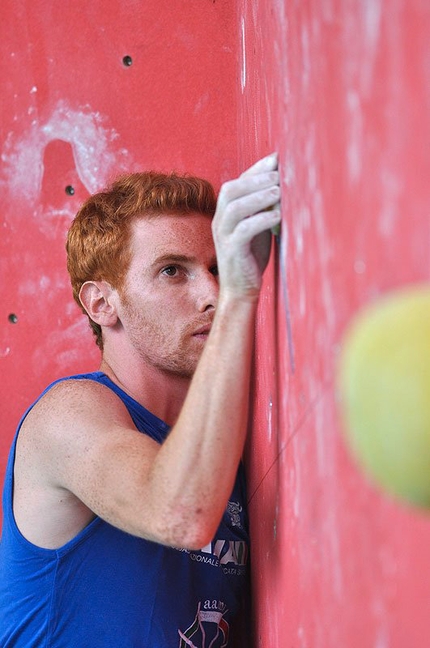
(97, 299)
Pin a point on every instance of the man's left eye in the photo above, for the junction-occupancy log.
(170, 271)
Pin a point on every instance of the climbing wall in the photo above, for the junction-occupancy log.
(341, 88)
(89, 90)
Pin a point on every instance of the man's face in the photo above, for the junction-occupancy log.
(170, 292)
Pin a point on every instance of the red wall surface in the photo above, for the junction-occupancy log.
(341, 88)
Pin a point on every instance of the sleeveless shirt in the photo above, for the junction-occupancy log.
(108, 589)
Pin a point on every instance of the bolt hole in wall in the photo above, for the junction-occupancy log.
(127, 61)
(13, 319)
(70, 190)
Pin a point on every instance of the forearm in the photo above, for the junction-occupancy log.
(194, 471)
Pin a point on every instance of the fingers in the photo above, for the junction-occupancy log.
(260, 175)
(268, 163)
(250, 227)
(248, 208)
(251, 204)
(248, 184)
(247, 195)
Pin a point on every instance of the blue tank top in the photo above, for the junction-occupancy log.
(108, 589)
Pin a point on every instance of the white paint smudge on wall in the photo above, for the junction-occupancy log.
(243, 52)
(62, 347)
(362, 34)
(355, 144)
(270, 420)
(44, 286)
(371, 17)
(96, 150)
(392, 189)
(306, 59)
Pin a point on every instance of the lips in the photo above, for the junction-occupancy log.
(203, 331)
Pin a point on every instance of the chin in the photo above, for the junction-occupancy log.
(182, 369)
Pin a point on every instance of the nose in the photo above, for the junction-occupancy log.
(207, 288)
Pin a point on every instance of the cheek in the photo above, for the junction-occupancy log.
(164, 310)
(153, 318)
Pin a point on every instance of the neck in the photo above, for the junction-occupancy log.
(161, 393)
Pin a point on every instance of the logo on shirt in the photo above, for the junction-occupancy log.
(209, 628)
(230, 555)
(234, 509)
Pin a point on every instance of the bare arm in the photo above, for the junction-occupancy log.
(210, 432)
(175, 493)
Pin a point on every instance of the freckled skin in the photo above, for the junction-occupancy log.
(166, 300)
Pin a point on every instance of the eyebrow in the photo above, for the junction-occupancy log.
(176, 258)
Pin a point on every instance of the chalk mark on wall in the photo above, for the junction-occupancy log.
(282, 247)
(243, 45)
(96, 150)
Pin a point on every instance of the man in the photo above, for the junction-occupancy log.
(129, 523)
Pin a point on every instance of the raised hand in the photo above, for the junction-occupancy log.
(247, 209)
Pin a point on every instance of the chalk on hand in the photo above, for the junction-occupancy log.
(276, 229)
(384, 392)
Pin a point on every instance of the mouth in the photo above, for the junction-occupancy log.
(202, 333)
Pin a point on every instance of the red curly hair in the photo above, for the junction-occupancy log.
(98, 241)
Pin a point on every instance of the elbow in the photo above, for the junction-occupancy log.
(191, 533)
(198, 538)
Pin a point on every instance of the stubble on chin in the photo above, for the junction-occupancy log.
(180, 363)
(178, 356)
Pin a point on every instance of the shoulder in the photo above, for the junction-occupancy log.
(74, 398)
(75, 425)
(71, 411)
